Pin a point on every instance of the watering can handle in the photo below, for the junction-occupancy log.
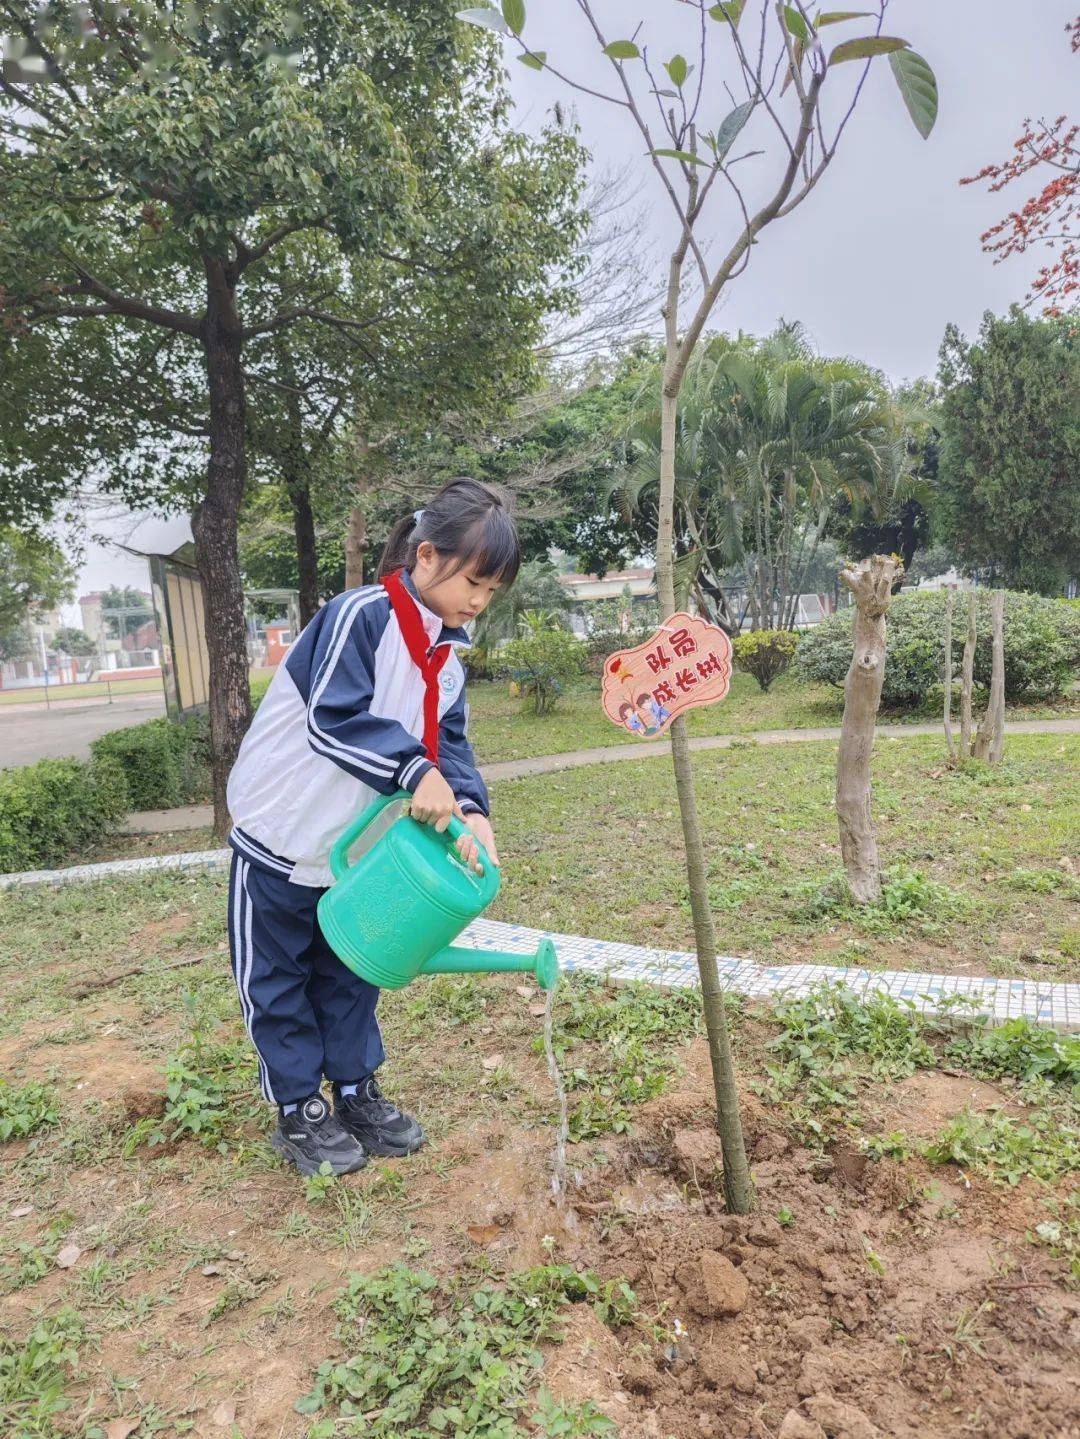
(339, 855)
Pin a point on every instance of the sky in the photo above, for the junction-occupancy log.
(886, 251)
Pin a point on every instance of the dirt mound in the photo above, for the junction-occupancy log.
(888, 1303)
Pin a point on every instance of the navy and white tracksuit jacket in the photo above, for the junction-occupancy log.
(370, 696)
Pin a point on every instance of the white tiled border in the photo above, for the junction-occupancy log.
(1056, 1006)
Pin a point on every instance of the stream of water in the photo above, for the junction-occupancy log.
(558, 1178)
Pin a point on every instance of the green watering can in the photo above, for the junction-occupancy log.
(392, 914)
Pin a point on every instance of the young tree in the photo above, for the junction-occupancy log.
(779, 62)
(1007, 497)
(172, 152)
(1048, 220)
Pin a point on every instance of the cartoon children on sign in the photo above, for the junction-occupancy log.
(685, 664)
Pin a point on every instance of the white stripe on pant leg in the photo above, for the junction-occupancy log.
(245, 954)
(264, 1073)
(240, 947)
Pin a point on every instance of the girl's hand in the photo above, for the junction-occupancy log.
(433, 801)
(482, 831)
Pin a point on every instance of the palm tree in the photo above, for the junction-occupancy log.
(768, 438)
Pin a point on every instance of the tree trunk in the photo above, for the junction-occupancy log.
(297, 469)
(967, 672)
(214, 525)
(870, 583)
(990, 741)
(307, 559)
(355, 548)
(738, 1191)
(950, 597)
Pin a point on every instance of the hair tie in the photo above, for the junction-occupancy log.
(417, 515)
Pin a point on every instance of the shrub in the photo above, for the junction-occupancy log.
(165, 763)
(606, 634)
(541, 660)
(56, 808)
(481, 662)
(765, 654)
(1042, 646)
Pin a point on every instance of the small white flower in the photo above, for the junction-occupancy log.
(680, 1329)
(533, 1301)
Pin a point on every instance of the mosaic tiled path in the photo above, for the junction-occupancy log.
(1055, 1005)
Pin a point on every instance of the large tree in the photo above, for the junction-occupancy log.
(169, 152)
(35, 575)
(1008, 485)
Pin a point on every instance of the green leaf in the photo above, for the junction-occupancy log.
(514, 15)
(683, 155)
(836, 17)
(622, 50)
(795, 23)
(918, 88)
(534, 59)
(729, 11)
(868, 46)
(485, 16)
(728, 131)
(676, 68)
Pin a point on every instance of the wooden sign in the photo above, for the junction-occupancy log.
(686, 663)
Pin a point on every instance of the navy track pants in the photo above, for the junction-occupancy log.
(307, 1015)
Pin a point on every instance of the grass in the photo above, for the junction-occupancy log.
(617, 1050)
(93, 689)
(981, 873)
(197, 1246)
(598, 851)
(502, 728)
(455, 1356)
(33, 1375)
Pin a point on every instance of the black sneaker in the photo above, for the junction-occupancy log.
(379, 1125)
(313, 1135)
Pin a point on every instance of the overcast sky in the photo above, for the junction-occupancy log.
(886, 251)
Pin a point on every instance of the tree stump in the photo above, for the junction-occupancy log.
(870, 582)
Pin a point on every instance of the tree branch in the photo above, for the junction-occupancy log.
(132, 306)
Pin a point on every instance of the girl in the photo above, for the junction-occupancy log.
(369, 698)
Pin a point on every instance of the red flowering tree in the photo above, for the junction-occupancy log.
(1048, 220)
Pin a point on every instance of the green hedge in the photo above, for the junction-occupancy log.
(165, 764)
(53, 810)
(1042, 646)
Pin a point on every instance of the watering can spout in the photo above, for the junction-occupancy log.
(543, 964)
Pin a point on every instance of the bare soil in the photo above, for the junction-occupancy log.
(891, 1300)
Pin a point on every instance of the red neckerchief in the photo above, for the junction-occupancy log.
(429, 661)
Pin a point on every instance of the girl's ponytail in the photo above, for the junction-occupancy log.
(397, 551)
(469, 524)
